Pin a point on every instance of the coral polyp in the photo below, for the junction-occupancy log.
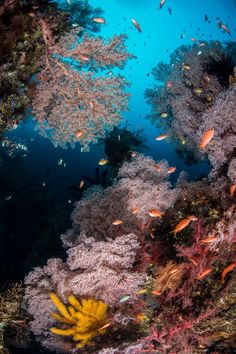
(85, 319)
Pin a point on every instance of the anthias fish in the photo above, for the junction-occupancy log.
(162, 137)
(207, 136)
(99, 20)
(136, 25)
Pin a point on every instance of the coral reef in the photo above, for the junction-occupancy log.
(100, 270)
(22, 46)
(141, 186)
(169, 293)
(198, 97)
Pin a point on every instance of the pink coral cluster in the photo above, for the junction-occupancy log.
(71, 97)
(142, 185)
(198, 98)
(104, 266)
(96, 269)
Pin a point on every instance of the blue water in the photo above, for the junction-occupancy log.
(160, 36)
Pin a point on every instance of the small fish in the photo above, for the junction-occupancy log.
(105, 326)
(60, 162)
(171, 169)
(164, 115)
(208, 240)
(193, 39)
(8, 197)
(186, 67)
(197, 91)
(134, 154)
(117, 222)
(232, 189)
(201, 44)
(181, 225)
(207, 136)
(69, 201)
(206, 18)
(136, 25)
(155, 292)
(206, 78)
(169, 84)
(44, 184)
(170, 10)
(141, 292)
(162, 3)
(135, 210)
(227, 270)
(204, 273)
(79, 133)
(103, 162)
(81, 184)
(124, 298)
(84, 57)
(154, 213)
(161, 137)
(92, 106)
(225, 28)
(99, 20)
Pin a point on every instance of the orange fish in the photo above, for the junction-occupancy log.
(135, 210)
(99, 20)
(181, 225)
(79, 133)
(136, 25)
(105, 326)
(162, 137)
(204, 273)
(171, 169)
(134, 154)
(169, 84)
(193, 39)
(155, 292)
(84, 57)
(232, 189)
(227, 270)
(81, 184)
(208, 240)
(207, 136)
(154, 213)
(117, 222)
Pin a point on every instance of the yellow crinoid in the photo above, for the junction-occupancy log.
(85, 319)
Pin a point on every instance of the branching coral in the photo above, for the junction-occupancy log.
(69, 99)
(197, 99)
(141, 186)
(11, 318)
(86, 318)
(100, 270)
